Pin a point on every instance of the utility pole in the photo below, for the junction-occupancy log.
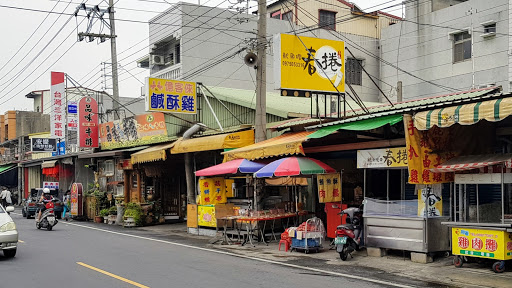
(113, 52)
(94, 13)
(260, 123)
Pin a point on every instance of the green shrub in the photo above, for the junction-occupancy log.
(104, 212)
(135, 211)
(112, 210)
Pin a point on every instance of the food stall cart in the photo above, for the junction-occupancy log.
(479, 239)
(396, 219)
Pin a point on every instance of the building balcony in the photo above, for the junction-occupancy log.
(173, 73)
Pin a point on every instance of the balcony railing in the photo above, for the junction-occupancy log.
(173, 72)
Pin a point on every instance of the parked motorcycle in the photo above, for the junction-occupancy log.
(348, 236)
(48, 219)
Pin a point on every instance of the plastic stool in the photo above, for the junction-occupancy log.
(286, 245)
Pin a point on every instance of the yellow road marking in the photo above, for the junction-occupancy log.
(21, 241)
(112, 275)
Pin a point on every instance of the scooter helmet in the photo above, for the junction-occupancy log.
(46, 191)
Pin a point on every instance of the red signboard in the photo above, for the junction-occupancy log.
(88, 123)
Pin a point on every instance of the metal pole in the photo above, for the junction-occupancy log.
(113, 52)
(451, 195)
(465, 195)
(460, 202)
(364, 183)
(260, 123)
(387, 191)
(502, 194)
(454, 202)
(477, 206)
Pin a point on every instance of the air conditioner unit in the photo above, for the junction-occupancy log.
(156, 60)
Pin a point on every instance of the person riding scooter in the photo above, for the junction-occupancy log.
(45, 197)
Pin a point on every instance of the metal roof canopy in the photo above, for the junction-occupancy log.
(470, 162)
(422, 104)
(111, 152)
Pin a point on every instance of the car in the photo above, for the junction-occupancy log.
(8, 232)
(30, 205)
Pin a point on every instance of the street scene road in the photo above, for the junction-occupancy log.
(75, 255)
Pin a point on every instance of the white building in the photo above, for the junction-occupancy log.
(203, 44)
(445, 46)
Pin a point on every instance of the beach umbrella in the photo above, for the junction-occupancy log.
(294, 166)
(232, 167)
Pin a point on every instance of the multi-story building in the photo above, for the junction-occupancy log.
(445, 46)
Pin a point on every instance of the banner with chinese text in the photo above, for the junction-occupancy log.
(434, 203)
(421, 156)
(133, 131)
(310, 64)
(482, 243)
(329, 187)
(88, 123)
(382, 158)
(43, 144)
(58, 106)
(213, 191)
(174, 96)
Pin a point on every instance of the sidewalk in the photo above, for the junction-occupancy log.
(440, 273)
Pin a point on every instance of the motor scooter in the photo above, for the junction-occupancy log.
(48, 219)
(348, 236)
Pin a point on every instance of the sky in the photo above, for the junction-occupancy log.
(36, 43)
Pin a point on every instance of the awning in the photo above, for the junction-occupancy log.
(111, 153)
(155, 153)
(214, 142)
(5, 168)
(286, 144)
(362, 125)
(470, 162)
(467, 114)
(48, 164)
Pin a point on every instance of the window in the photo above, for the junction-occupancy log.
(288, 16)
(327, 20)
(109, 168)
(178, 54)
(276, 14)
(491, 28)
(353, 71)
(461, 46)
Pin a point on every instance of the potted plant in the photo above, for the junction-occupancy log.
(112, 215)
(133, 215)
(104, 214)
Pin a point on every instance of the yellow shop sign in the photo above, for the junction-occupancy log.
(482, 243)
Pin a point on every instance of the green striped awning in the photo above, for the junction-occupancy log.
(361, 125)
(5, 168)
(467, 114)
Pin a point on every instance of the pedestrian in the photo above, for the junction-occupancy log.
(5, 195)
(65, 202)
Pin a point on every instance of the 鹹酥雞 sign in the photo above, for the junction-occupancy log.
(171, 96)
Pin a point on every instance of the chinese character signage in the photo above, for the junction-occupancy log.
(88, 123)
(72, 107)
(329, 187)
(51, 185)
(72, 122)
(382, 158)
(206, 216)
(492, 244)
(76, 199)
(434, 203)
(171, 96)
(320, 66)
(58, 106)
(134, 131)
(421, 156)
(43, 145)
(213, 191)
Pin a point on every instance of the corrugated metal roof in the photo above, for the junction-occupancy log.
(423, 104)
(276, 104)
(298, 122)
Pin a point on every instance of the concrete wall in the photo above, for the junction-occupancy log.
(9, 126)
(31, 122)
(426, 50)
(218, 33)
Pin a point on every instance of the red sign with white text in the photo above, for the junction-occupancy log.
(58, 106)
(88, 123)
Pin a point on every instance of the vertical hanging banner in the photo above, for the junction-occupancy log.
(213, 191)
(421, 156)
(58, 106)
(329, 187)
(88, 123)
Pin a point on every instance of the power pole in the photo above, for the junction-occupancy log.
(260, 123)
(94, 13)
(113, 52)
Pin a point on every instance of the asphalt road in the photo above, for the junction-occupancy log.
(73, 255)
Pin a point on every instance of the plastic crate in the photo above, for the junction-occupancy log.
(296, 243)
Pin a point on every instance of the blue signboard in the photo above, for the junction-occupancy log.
(72, 107)
(61, 146)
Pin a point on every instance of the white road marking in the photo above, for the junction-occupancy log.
(381, 282)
